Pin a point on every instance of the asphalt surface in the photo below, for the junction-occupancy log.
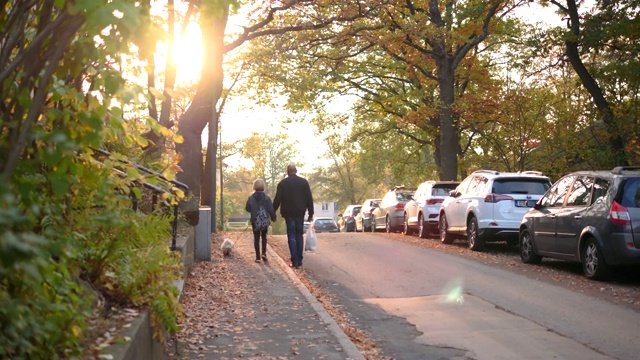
(455, 303)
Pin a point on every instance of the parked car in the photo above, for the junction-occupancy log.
(363, 219)
(422, 212)
(347, 220)
(591, 217)
(325, 224)
(489, 205)
(390, 214)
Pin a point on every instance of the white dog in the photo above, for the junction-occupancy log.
(227, 247)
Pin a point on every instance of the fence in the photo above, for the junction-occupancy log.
(155, 191)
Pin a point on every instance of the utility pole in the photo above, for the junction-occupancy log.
(221, 176)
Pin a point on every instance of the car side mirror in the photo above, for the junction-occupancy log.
(453, 193)
(537, 206)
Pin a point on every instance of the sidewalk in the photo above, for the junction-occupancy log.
(236, 308)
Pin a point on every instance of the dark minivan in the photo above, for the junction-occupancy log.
(591, 217)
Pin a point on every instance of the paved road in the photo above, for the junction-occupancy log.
(421, 303)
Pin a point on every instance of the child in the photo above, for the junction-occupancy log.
(262, 213)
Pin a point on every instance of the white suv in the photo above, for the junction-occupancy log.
(422, 211)
(489, 205)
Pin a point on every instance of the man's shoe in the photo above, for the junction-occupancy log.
(257, 260)
(264, 257)
(290, 264)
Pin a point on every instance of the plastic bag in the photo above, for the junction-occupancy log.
(311, 243)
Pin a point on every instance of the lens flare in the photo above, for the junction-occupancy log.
(453, 292)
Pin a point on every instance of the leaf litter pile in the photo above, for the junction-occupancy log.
(215, 313)
(211, 292)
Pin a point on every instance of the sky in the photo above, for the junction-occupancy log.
(239, 123)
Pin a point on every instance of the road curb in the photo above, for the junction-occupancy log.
(349, 347)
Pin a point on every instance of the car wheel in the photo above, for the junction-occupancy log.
(474, 242)
(406, 229)
(445, 237)
(527, 254)
(593, 263)
(422, 227)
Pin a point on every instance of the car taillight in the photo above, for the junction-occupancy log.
(619, 214)
(494, 198)
(434, 201)
(400, 206)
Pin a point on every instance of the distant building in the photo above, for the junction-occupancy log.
(325, 209)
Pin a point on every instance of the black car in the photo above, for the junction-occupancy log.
(347, 220)
(591, 217)
(325, 225)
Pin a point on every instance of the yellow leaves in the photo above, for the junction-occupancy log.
(142, 141)
(76, 330)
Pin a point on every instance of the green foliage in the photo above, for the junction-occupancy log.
(270, 155)
(126, 256)
(40, 309)
(66, 224)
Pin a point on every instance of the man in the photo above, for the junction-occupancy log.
(293, 197)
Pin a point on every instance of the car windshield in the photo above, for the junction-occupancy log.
(520, 186)
(631, 195)
(324, 222)
(442, 190)
(404, 196)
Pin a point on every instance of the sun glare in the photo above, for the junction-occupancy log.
(187, 54)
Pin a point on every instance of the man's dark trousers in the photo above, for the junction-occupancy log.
(295, 226)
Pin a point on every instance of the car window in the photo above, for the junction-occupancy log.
(600, 189)
(580, 191)
(464, 185)
(442, 189)
(324, 221)
(356, 210)
(557, 193)
(520, 186)
(478, 185)
(631, 194)
(422, 189)
(403, 196)
(388, 198)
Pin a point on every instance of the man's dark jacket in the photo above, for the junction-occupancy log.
(293, 197)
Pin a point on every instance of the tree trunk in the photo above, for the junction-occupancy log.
(616, 142)
(192, 122)
(449, 138)
(200, 112)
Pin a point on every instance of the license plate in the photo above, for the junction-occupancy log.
(525, 203)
